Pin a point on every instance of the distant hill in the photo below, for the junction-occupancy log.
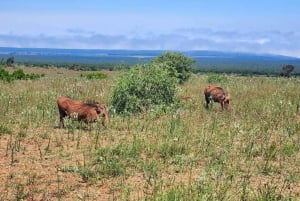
(215, 61)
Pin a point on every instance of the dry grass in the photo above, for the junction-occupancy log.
(250, 153)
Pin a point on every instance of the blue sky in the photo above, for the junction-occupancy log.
(259, 26)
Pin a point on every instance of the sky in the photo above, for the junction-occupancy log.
(254, 26)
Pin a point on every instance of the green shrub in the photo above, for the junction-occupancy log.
(5, 76)
(17, 75)
(142, 88)
(99, 75)
(178, 65)
(217, 78)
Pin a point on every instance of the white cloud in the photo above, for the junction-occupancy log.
(101, 30)
(275, 42)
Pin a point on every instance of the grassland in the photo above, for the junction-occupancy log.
(249, 153)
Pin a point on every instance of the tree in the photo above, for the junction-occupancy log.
(287, 70)
(143, 88)
(10, 61)
(178, 65)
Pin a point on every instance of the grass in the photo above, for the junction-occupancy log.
(249, 153)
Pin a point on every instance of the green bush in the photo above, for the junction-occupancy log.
(142, 88)
(5, 76)
(17, 75)
(95, 75)
(33, 76)
(217, 78)
(178, 65)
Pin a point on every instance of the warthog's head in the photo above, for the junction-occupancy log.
(102, 111)
(227, 101)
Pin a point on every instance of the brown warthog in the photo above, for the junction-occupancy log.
(85, 112)
(217, 94)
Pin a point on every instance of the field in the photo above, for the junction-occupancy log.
(249, 153)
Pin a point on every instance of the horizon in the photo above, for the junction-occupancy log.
(17, 51)
(245, 27)
(151, 50)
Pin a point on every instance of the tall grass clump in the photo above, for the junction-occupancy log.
(4, 130)
(98, 75)
(214, 78)
(143, 88)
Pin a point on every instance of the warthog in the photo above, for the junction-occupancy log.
(85, 112)
(217, 94)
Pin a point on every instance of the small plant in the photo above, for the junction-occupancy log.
(169, 150)
(69, 168)
(86, 174)
(20, 192)
(21, 136)
(109, 161)
(150, 169)
(268, 192)
(289, 149)
(4, 130)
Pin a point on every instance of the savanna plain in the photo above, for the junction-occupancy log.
(191, 153)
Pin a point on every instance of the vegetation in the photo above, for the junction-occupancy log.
(178, 65)
(217, 78)
(10, 61)
(287, 70)
(17, 75)
(203, 61)
(249, 153)
(99, 75)
(143, 88)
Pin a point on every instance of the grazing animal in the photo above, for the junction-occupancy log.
(217, 94)
(187, 99)
(85, 112)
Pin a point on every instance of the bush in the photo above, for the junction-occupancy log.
(217, 78)
(142, 88)
(17, 75)
(95, 75)
(33, 76)
(5, 76)
(178, 65)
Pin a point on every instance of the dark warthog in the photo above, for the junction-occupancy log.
(85, 112)
(217, 94)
